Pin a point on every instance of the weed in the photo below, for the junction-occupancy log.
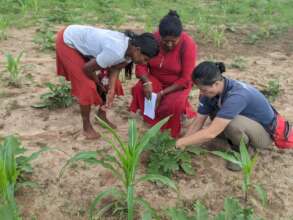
(232, 210)
(217, 34)
(59, 96)
(165, 159)
(123, 165)
(45, 38)
(273, 90)
(239, 63)
(13, 68)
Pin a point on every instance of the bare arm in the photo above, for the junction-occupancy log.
(197, 124)
(90, 69)
(205, 134)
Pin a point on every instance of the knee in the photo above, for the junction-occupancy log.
(234, 132)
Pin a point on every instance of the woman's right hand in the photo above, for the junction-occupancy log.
(147, 89)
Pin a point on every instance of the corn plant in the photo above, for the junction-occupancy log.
(13, 167)
(59, 96)
(45, 38)
(123, 165)
(13, 68)
(3, 27)
(165, 159)
(244, 160)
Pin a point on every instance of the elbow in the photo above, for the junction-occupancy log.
(85, 69)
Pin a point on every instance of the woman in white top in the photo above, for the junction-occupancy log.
(83, 50)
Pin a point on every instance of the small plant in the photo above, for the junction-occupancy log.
(239, 63)
(232, 211)
(45, 38)
(58, 97)
(13, 68)
(123, 165)
(217, 34)
(246, 163)
(3, 27)
(14, 167)
(273, 90)
(166, 159)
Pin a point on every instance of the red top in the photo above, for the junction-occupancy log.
(175, 66)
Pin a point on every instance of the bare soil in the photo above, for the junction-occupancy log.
(70, 197)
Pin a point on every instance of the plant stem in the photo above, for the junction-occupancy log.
(130, 203)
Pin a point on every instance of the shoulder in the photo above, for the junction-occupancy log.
(186, 38)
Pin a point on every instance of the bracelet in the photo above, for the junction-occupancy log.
(147, 83)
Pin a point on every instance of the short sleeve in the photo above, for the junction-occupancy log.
(108, 58)
(204, 106)
(232, 106)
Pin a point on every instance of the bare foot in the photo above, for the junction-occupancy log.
(102, 115)
(91, 134)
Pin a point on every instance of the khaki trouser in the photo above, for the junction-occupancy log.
(252, 132)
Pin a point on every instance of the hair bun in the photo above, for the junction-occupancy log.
(173, 13)
(221, 67)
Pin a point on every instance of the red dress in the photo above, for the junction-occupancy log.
(164, 70)
(70, 65)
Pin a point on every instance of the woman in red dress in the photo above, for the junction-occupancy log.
(168, 75)
(83, 50)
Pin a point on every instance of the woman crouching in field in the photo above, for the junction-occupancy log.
(238, 110)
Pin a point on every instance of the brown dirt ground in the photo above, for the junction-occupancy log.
(70, 197)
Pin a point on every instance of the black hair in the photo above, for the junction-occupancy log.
(207, 73)
(170, 25)
(146, 42)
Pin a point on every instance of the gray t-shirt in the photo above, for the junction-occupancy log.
(108, 47)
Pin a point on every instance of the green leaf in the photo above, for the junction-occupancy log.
(186, 166)
(245, 157)
(231, 208)
(40, 105)
(177, 214)
(227, 156)
(132, 134)
(196, 150)
(149, 213)
(151, 133)
(108, 192)
(114, 134)
(163, 179)
(23, 159)
(103, 210)
(91, 158)
(262, 194)
(87, 156)
(201, 212)
(26, 184)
